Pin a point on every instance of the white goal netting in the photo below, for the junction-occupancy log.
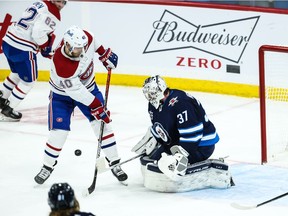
(276, 100)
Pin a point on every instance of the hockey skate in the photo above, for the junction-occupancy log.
(43, 175)
(2, 100)
(8, 114)
(119, 173)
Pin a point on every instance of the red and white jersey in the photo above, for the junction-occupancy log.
(32, 29)
(74, 77)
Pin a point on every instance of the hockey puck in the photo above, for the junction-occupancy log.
(78, 152)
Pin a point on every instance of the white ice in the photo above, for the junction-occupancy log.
(237, 121)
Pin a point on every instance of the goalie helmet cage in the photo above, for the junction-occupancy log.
(273, 93)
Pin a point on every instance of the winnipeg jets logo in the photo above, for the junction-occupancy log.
(173, 101)
(161, 132)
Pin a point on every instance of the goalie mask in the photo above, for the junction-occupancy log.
(61, 196)
(77, 40)
(153, 89)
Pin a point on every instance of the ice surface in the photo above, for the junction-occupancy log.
(237, 121)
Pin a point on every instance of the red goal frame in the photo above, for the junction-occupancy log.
(261, 56)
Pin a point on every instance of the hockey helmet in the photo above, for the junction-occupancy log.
(61, 196)
(59, 3)
(153, 89)
(75, 37)
(64, 1)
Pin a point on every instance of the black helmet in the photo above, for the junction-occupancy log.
(61, 196)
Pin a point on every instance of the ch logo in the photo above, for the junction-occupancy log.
(4, 26)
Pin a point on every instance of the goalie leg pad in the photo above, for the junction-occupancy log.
(201, 175)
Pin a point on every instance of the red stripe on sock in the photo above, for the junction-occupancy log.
(52, 147)
(18, 89)
(10, 81)
(108, 136)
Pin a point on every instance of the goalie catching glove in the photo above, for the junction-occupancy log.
(147, 144)
(174, 165)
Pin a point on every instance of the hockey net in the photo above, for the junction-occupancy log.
(273, 77)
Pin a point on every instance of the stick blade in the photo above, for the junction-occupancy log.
(91, 189)
(85, 193)
(93, 185)
(243, 207)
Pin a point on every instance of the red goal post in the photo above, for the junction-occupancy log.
(273, 93)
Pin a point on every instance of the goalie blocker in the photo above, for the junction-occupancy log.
(211, 173)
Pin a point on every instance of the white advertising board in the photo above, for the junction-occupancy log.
(175, 41)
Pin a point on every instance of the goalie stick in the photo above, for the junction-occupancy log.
(93, 185)
(102, 168)
(244, 207)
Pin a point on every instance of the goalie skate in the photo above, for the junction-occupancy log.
(119, 173)
(43, 175)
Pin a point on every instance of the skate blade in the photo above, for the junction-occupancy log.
(4, 118)
(125, 183)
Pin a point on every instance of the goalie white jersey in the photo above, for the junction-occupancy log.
(32, 29)
(74, 77)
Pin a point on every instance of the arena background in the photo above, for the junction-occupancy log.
(195, 46)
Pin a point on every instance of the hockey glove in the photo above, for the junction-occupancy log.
(46, 52)
(46, 49)
(179, 149)
(147, 144)
(173, 166)
(101, 115)
(109, 59)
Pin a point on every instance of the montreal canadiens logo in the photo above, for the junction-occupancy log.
(59, 119)
(88, 72)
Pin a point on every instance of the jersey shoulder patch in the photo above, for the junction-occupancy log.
(175, 97)
(172, 101)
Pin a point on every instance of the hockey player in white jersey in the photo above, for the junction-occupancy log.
(73, 84)
(31, 34)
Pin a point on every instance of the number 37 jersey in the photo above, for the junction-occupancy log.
(182, 120)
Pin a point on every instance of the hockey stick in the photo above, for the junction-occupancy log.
(243, 207)
(102, 168)
(93, 185)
